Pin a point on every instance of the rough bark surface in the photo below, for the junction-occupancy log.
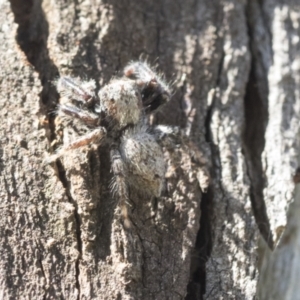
(235, 66)
(280, 271)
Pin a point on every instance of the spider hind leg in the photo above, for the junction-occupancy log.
(120, 185)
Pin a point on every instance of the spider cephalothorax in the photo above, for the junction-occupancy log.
(118, 114)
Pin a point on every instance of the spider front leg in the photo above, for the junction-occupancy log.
(85, 116)
(95, 137)
(119, 185)
(75, 89)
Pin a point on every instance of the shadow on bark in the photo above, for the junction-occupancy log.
(256, 120)
(32, 38)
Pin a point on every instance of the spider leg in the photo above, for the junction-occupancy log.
(93, 137)
(119, 171)
(83, 91)
(170, 137)
(88, 118)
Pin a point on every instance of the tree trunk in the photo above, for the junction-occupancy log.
(235, 66)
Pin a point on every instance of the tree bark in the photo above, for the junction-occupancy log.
(235, 69)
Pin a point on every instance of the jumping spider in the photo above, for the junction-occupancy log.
(118, 114)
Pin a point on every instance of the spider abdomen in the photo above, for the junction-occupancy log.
(144, 161)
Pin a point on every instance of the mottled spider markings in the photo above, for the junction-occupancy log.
(118, 115)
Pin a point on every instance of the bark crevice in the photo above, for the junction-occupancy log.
(77, 220)
(32, 36)
(197, 284)
(204, 238)
(256, 119)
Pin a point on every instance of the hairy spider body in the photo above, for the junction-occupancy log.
(118, 115)
(144, 160)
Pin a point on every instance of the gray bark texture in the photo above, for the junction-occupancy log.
(235, 68)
